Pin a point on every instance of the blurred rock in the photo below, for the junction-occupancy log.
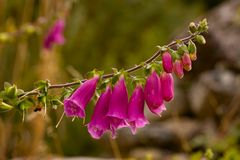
(170, 134)
(213, 88)
(224, 27)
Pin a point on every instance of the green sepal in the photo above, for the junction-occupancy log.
(11, 92)
(42, 99)
(138, 80)
(42, 85)
(25, 104)
(67, 92)
(182, 49)
(103, 84)
(94, 73)
(192, 47)
(157, 66)
(174, 54)
(5, 107)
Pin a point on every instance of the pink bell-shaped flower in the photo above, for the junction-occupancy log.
(186, 61)
(55, 35)
(118, 105)
(167, 86)
(136, 118)
(99, 121)
(167, 62)
(178, 68)
(75, 105)
(153, 94)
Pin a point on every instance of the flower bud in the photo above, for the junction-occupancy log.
(167, 86)
(178, 68)
(200, 39)
(192, 27)
(193, 56)
(192, 49)
(11, 91)
(167, 62)
(186, 61)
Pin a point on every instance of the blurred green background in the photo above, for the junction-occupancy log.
(99, 34)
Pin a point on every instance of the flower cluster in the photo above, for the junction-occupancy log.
(179, 64)
(114, 110)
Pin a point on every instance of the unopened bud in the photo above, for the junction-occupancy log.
(200, 39)
(11, 91)
(192, 27)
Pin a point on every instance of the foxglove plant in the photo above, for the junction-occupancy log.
(178, 68)
(75, 105)
(136, 118)
(167, 86)
(118, 105)
(153, 94)
(55, 35)
(186, 61)
(167, 62)
(100, 123)
(113, 110)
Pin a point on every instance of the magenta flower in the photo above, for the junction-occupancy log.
(136, 118)
(167, 62)
(99, 122)
(153, 94)
(118, 105)
(75, 105)
(55, 35)
(178, 68)
(167, 86)
(186, 61)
